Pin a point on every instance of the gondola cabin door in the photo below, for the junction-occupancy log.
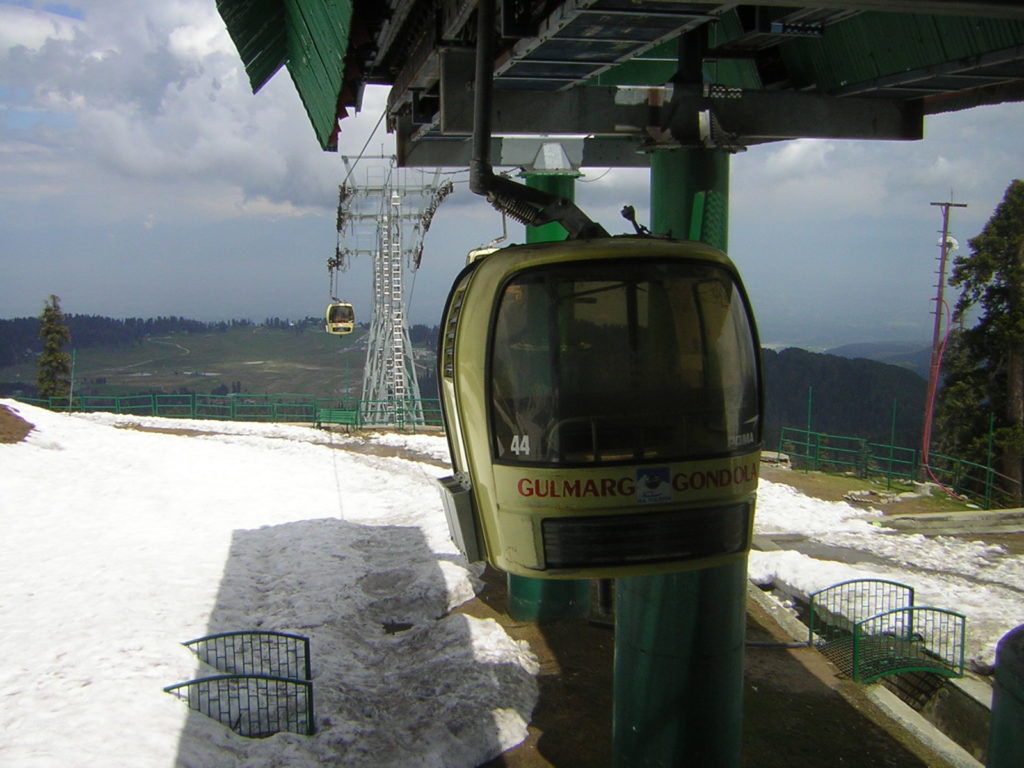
(340, 319)
(603, 403)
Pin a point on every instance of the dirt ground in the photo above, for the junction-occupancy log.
(798, 712)
(834, 487)
(12, 427)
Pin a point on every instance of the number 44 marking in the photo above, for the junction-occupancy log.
(520, 445)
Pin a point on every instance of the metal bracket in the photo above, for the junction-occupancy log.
(714, 115)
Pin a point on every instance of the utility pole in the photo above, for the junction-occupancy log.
(946, 246)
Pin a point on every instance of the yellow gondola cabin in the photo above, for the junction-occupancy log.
(340, 319)
(602, 400)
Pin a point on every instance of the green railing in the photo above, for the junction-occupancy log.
(834, 611)
(255, 706)
(820, 451)
(870, 628)
(287, 408)
(909, 639)
(255, 652)
(841, 453)
(266, 686)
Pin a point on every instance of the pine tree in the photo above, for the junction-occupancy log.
(962, 420)
(54, 375)
(986, 372)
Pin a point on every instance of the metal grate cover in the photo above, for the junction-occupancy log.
(577, 542)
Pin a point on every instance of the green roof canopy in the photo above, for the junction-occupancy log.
(310, 37)
(848, 69)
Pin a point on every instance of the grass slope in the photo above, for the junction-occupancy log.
(261, 360)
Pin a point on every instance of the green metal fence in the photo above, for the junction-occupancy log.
(266, 686)
(255, 652)
(870, 628)
(909, 639)
(841, 453)
(256, 706)
(834, 611)
(287, 408)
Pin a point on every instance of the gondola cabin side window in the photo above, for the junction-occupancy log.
(622, 361)
(446, 380)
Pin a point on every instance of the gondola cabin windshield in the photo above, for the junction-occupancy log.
(622, 361)
(340, 319)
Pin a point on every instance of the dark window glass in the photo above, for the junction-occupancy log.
(622, 361)
(342, 313)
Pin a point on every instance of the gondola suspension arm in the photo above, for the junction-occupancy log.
(533, 207)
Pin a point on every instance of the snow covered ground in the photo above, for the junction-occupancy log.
(116, 545)
(979, 580)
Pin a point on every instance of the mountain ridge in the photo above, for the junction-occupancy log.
(849, 394)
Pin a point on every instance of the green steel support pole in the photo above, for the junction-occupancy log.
(71, 387)
(679, 638)
(677, 178)
(546, 599)
(562, 185)
(892, 447)
(678, 677)
(988, 460)
(810, 406)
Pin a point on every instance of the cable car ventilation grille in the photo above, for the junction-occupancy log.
(579, 542)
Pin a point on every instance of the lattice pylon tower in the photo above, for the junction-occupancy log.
(402, 215)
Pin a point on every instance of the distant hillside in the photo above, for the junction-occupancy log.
(275, 357)
(172, 355)
(847, 396)
(912, 355)
(19, 337)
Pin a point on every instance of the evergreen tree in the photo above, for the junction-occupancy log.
(54, 375)
(962, 419)
(986, 368)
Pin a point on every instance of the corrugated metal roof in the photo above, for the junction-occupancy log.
(257, 30)
(309, 36)
(318, 34)
(927, 56)
(903, 56)
(657, 65)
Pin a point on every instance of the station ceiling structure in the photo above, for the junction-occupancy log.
(624, 77)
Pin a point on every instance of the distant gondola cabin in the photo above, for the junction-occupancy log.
(340, 319)
(602, 400)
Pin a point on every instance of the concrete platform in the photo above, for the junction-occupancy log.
(947, 523)
(798, 712)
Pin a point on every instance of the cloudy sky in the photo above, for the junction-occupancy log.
(139, 176)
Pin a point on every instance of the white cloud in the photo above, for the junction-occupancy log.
(32, 29)
(813, 182)
(200, 40)
(156, 92)
(798, 158)
(136, 120)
